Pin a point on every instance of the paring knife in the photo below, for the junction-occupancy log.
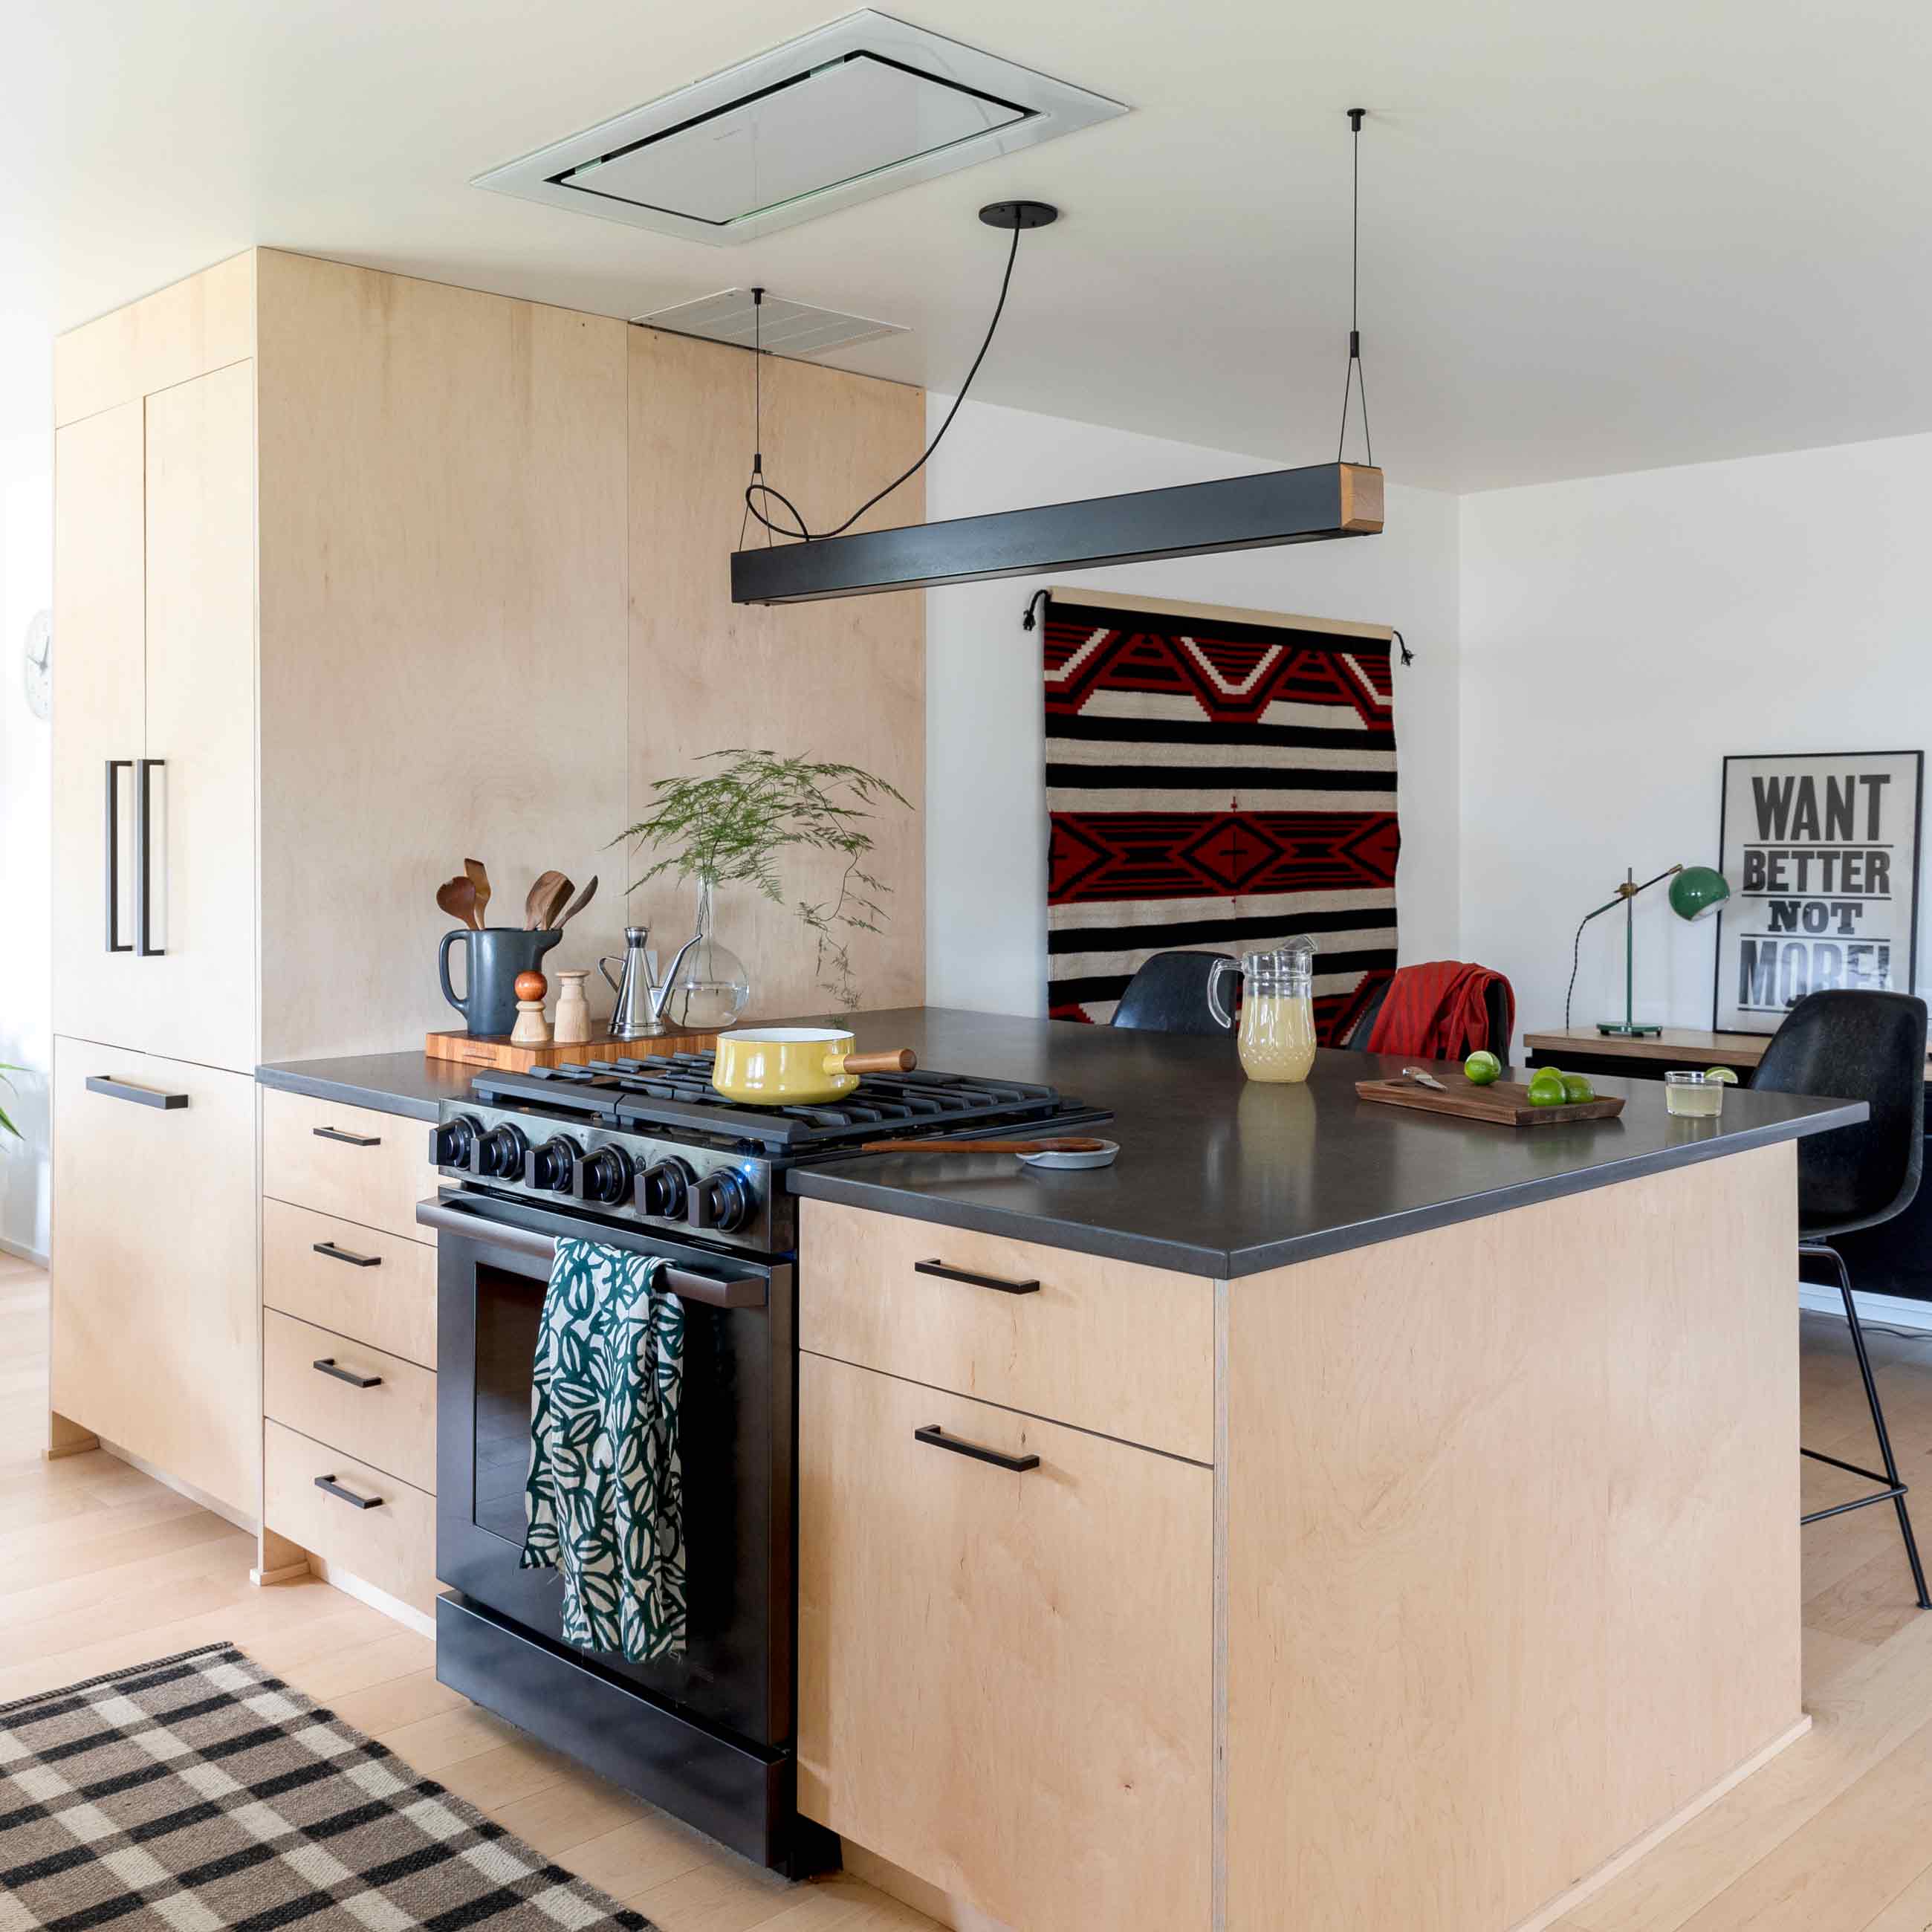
(1423, 1079)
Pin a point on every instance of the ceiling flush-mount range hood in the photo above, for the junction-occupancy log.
(859, 109)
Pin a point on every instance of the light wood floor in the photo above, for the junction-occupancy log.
(100, 1567)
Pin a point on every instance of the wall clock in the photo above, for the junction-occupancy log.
(39, 662)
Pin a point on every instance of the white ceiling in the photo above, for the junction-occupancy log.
(1596, 237)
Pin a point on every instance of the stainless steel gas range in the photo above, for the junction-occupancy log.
(643, 1154)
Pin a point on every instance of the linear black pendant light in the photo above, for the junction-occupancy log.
(1312, 504)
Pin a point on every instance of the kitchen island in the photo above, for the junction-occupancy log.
(1352, 1518)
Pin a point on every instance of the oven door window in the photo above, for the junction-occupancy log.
(509, 1309)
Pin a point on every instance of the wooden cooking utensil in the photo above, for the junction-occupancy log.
(538, 897)
(1071, 1145)
(479, 876)
(546, 913)
(582, 900)
(457, 897)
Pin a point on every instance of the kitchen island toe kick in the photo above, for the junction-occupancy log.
(1493, 1578)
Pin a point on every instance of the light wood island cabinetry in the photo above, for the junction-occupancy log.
(1489, 1578)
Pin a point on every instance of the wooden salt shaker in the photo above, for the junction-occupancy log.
(572, 1026)
(530, 1030)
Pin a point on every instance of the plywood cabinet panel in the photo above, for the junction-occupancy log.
(197, 1001)
(1106, 1346)
(390, 1424)
(98, 682)
(391, 1304)
(155, 1319)
(1005, 1680)
(391, 1544)
(351, 1162)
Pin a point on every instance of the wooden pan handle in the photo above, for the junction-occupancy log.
(903, 1061)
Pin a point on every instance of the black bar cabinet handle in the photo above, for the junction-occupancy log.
(126, 1090)
(348, 1254)
(946, 1273)
(144, 769)
(938, 1438)
(327, 1366)
(335, 1489)
(115, 944)
(347, 1140)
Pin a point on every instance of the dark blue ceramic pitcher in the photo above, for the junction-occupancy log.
(494, 957)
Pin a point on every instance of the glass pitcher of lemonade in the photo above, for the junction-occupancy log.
(1277, 1035)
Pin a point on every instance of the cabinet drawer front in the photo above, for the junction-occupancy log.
(1006, 1681)
(356, 1280)
(392, 1545)
(375, 1407)
(1107, 1346)
(350, 1161)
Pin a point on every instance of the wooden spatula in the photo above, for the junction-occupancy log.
(582, 900)
(479, 876)
(457, 897)
(1062, 1146)
(542, 887)
(546, 913)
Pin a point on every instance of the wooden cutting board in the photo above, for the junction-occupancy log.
(500, 1050)
(1506, 1104)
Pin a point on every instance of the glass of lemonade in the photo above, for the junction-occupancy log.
(1694, 1097)
(1277, 1035)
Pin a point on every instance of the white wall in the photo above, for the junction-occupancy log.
(985, 799)
(26, 585)
(1620, 635)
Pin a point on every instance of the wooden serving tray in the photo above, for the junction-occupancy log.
(498, 1051)
(1505, 1104)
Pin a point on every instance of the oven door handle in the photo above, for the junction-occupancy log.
(748, 1290)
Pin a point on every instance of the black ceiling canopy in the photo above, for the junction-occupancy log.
(1284, 506)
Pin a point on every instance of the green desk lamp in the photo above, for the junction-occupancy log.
(1695, 890)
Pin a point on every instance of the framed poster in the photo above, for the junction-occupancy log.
(1821, 852)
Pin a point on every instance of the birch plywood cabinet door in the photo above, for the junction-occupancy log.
(196, 993)
(155, 1342)
(97, 717)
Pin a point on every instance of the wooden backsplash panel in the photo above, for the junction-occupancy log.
(442, 480)
(843, 679)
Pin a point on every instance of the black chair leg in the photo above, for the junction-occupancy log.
(1893, 1490)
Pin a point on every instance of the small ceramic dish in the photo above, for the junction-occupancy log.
(1102, 1155)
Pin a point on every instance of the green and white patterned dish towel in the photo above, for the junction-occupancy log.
(605, 1498)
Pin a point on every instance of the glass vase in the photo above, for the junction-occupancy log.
(711, 986)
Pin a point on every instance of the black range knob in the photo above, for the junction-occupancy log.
(501, 1155)
(664, 1188)
(454, 1144)
(551, 1165)
(604, 1177)
(722, 1200)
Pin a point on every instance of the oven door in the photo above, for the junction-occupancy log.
(735, 1449)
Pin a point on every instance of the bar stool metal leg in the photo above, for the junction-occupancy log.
(1892, 1489)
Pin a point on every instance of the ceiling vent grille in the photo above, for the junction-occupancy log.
(785, 329)
(861, 108)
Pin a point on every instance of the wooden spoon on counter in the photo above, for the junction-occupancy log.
(1065, 1145)
(479, 876)
(457, 897)
(542, 889)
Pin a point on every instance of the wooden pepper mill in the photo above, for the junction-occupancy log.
(530, 1030)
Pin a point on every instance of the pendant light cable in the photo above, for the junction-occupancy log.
(758, 492)
(1356, 380)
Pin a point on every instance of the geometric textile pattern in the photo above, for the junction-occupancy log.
(1215, 784)
(199, 1794)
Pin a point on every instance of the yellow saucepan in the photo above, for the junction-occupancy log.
(785, 1067)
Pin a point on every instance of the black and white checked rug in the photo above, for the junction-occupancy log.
(199, 1794)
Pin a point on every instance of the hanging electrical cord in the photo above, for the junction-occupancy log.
(1356, 380)
(758, 487)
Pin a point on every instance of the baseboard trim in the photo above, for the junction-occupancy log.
(213, 1504)
(1593, 1882)
(1892, 1311)
(337, 1578)
(21, 1252)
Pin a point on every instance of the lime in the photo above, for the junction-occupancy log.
(1724, 1073)
(1546, 1089)
(1482, 1068)
(1577, 1089)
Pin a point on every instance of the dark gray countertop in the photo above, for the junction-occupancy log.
(1218, 1175)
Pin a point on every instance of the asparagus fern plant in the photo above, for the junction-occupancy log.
(6, 1126)
(732, 826)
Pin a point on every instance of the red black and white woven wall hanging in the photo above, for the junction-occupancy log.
(1217, 780)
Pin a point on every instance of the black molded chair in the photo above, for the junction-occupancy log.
(1495, 1005)
(1180, 992)
(1869, 1047)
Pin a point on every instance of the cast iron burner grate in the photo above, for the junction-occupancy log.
(675, 1090)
